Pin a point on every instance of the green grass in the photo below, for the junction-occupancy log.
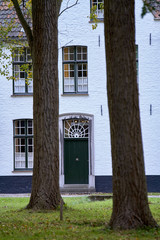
(149, 194)
(154, 193)
(83, 219)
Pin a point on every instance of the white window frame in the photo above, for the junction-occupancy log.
(23, 144)
(75, 70)
(99, 12)
(20, 86)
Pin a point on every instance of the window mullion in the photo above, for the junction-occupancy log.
(25, 74)
(63, 67)
(26, 84)
(13, 76)
(26, 147)
(75, 77)
(26, 150)
(75, 72)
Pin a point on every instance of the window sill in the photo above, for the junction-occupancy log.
(100, 20)
(74, 94)
(22, 95)
(22, 171)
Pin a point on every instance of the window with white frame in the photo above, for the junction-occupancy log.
(23, 144)
(22, 71)
(75, 69)
(96, 6)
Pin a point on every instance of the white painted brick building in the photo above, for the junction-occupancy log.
(83, 106)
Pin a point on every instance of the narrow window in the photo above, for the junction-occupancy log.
(23, 144)
(75, 69)
(22, 72)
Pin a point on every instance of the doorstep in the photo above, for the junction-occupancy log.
(77, 188)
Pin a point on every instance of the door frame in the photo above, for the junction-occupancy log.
(91, 176)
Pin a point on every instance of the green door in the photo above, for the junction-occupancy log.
(76, 161)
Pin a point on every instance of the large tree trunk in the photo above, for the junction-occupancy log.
(45, 184)
(130, 203)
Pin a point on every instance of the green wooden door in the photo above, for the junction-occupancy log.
(76, 161)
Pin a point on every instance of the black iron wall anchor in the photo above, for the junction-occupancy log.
(99, 40)
(150, 109)
(150, 39)
(101, 110)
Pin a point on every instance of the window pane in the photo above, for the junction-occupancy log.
(17, 71)
(81, 53)
(23, 141)
(22, 58)
(30, 80)
(15, 54)
(30, 86)
(30, 127)
(30, 123)
(22, 123)
(28, 55)
(68, 53)
(19, 86)
(19, 83)
(82, 78)
(19, 127)
(19, 55)
(20, 153)
(72, 74)
(22, 74)
(30, 152)
(97, 6)
(69, 78)
(79, 67)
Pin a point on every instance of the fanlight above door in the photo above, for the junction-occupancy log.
(76, 128)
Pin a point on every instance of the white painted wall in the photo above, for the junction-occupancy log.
(149, 87)
(11, 108)
(75, 29)
(79, 31)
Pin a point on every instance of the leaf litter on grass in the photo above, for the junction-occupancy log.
(83, 219)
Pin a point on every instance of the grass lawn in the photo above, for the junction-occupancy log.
(83, 219)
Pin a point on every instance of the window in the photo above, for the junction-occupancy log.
(22, 68)
(75, 69)
(23, 144)
(96, 6)
(76, 128)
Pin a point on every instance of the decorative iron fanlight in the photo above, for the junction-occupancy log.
(76, 128)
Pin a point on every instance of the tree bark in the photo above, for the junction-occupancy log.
(45, 183)
(130, 202)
